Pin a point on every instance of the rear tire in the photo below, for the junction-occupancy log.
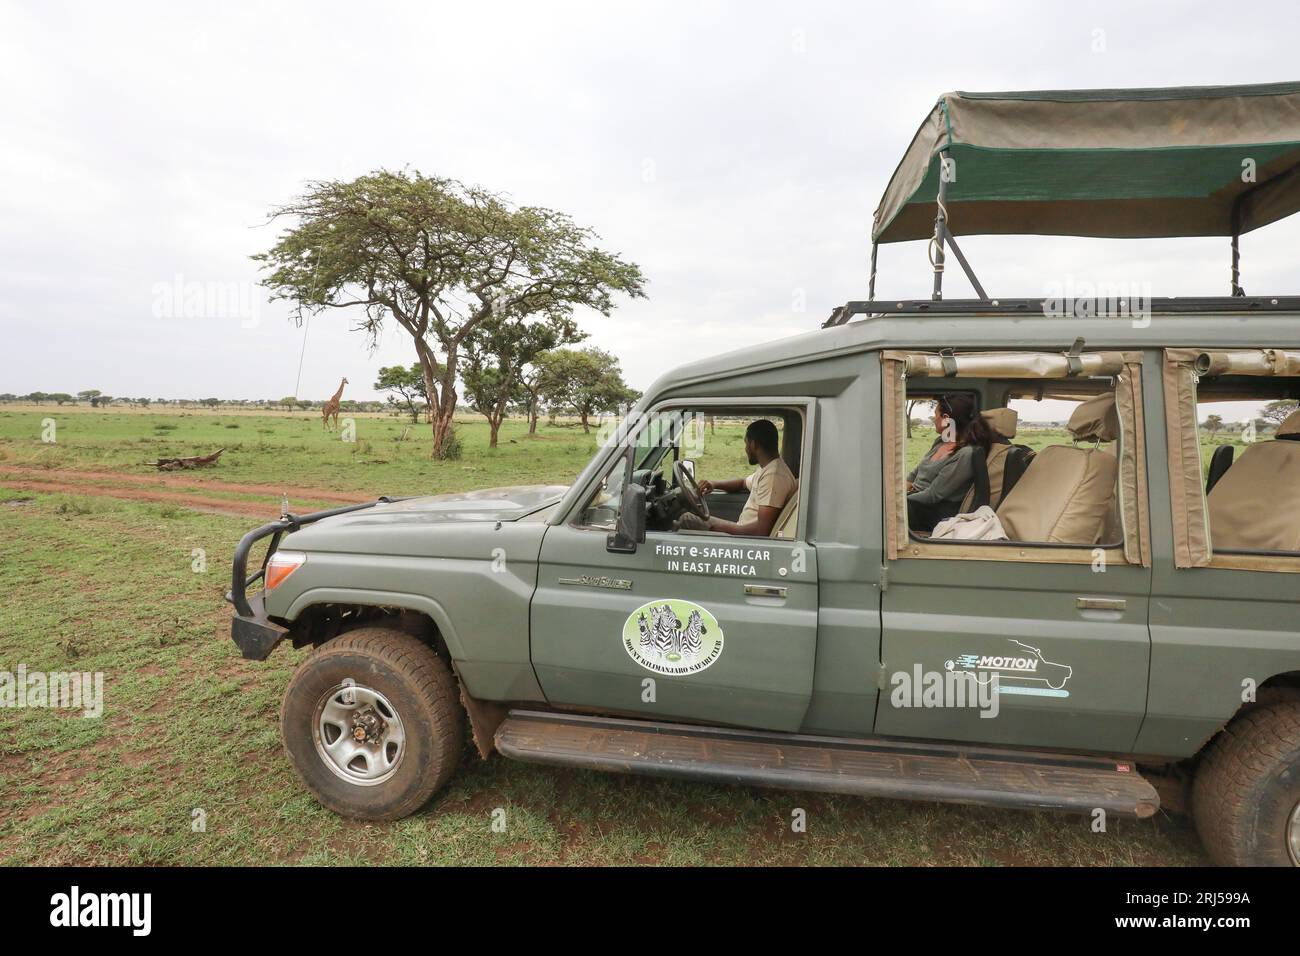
(1246, 793)
(372, 723)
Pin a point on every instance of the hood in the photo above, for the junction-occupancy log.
(488, 504)
(403, 527)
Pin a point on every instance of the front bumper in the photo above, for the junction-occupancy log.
(255, 634)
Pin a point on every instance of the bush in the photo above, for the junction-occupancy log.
(451, 446)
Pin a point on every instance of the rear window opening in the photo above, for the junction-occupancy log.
(1045, 480)
(1248, 435)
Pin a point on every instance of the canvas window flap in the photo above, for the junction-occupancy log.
(1191, 522)
(1046, 365)
(1245, 361)
(894, 430)
(1133, 463)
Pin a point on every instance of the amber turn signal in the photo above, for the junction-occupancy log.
(281, 565)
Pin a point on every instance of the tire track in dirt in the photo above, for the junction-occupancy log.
(236, 509)
(183, 481)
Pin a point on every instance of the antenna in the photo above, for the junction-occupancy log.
(305, 328)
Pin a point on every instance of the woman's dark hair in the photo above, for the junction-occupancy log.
(972, 429)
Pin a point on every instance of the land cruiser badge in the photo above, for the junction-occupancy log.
(673, 637)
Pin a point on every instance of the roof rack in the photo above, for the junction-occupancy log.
(1065, 308)
(1142, 163)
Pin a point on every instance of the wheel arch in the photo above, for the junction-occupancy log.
(484, 715)
(379, 600)
(1285, 685)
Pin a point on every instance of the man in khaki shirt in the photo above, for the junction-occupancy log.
(770, 487)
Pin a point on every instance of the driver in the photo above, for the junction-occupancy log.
(770, 487)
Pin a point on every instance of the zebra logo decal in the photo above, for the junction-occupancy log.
(671, 636)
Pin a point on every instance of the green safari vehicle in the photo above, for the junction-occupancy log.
(1105, 618)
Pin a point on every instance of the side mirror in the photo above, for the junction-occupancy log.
(629, 531)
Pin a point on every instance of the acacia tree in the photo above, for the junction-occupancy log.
(496, 354)
(408, 383)
(439, 258)
(532, 383)
(587, 380)
(1275, 413)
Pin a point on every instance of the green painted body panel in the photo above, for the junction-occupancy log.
(764, 676)
(937, 611)
(1157, 677)
(1211, 628)
(475, 579)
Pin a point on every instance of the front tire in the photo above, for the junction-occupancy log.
(372, 723)
(1246, 793)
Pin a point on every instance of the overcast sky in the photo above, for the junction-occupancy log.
(735, 151)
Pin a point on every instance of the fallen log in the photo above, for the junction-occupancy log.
(195, 461)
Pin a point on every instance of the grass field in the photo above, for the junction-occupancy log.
(97, 583)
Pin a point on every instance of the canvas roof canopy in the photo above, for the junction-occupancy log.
(1186, 161)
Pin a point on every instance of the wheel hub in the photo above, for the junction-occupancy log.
(358, 733)
(368, 726)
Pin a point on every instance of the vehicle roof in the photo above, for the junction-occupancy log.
(940, 329)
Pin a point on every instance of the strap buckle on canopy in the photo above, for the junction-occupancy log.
(1073, 357)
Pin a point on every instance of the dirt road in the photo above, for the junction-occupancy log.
(176, 489)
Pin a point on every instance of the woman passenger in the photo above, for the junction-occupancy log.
(937, 486)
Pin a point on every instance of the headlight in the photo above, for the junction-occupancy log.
(281, 565)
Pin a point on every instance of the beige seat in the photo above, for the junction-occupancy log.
(1255, 506)
(1066, 492)
(1004, 422)
(784, 527)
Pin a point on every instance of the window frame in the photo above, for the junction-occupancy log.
(1136, 540)
(803, 405)
(1179, 377)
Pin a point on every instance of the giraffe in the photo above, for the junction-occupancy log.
(332, 407)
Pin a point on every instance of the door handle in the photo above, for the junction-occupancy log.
(1100, 604)
(764, 590)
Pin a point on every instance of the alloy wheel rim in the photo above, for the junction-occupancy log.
(1293, 835)
(359, 734)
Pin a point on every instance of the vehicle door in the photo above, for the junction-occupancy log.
(1060, 629)
(1225, 620)
(690, 625)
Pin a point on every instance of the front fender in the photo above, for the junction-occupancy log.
(365, 598)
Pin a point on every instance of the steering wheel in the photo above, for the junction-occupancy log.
(694, 498)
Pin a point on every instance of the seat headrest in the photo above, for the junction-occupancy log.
(1290, 425)
(1002, 420)
(1095, 420)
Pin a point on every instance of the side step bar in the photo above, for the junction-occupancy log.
(876, 767)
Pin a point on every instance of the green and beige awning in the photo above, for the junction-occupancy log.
(1188, 161)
